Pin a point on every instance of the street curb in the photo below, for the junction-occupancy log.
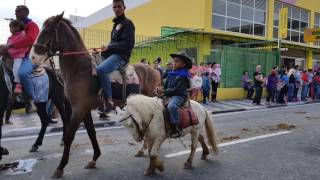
(228, 111)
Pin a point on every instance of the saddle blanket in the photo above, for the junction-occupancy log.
(131, 76)
(187, 117)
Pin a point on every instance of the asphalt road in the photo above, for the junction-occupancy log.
(275, 144)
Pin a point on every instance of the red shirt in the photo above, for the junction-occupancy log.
(304, 78)
(32, 32)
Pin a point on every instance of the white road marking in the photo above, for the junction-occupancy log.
(264, 109)
(231, 143)
(57, 134)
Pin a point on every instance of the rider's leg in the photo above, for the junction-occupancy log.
(109, 65)
(25, 73)
(16, 66)
(173, 107)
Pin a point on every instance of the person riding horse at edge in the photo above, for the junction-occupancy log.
(176, 87)
(118, 52)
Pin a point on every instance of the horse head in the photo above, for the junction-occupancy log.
(132, 121)
(57, 35)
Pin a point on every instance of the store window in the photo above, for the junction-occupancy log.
(298, 20)
(241, 16)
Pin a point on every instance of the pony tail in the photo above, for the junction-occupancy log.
(211, 134)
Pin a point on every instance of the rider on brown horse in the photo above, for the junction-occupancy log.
(118, 52)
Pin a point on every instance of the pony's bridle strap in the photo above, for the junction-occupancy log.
(141, 132)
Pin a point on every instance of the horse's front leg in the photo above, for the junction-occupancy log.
(71, 131)
(44, 118)
(194, 144)
(88, 122)
(140, 153)
(155, 162)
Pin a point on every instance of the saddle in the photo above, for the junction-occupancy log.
(124, 81)
(187, 116)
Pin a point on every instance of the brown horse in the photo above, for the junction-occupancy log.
(59, 35)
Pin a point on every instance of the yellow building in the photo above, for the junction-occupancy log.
(215, 23)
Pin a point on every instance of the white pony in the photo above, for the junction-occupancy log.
(143, 116)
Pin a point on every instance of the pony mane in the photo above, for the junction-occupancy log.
(144, 104)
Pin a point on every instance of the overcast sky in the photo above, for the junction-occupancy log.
(40, 10)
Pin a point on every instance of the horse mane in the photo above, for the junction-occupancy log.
(51, 22)
(143, 104)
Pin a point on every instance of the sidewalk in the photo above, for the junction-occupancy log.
(24, 125)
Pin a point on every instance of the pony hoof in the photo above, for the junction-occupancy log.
(62, 143)
(57, 174)
(161, 168)
(204, 157)
(90, 165)
(187, 165)
(139, 154)
(34, 149)
(149, 172)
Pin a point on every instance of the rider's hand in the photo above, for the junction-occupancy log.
(4, 47)
(159, 91)
(104, 48)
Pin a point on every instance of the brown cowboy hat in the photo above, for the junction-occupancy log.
(183, 56)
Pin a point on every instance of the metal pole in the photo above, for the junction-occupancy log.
(24, 2)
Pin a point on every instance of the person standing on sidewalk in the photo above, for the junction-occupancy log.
(271, 86)
(215, 80)
(297, 84)
(310, 78)
(291, 85)
(258, 85)
(316, 82)
(205, 86)
(282, 87)
(246, 84)
(305, 85)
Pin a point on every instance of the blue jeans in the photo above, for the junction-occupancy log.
(175, 103)
(290, 92)
(25, 73)
(317, 91)
(109, 65)
(304, 91)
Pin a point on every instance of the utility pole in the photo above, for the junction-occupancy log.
(24, 2)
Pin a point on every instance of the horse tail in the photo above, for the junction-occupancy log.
(212, 137)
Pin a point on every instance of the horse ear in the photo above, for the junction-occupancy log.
(59, 17)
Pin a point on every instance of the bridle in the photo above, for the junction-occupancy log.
(141, 131)
(48, 45)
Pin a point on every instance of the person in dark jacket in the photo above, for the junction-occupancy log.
(205, 87)
(272, 86)
(118, 52)
(175, 87)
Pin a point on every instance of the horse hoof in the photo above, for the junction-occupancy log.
(149, 172)
(34, 149)
(187, 165)
(159, 165)
(57, 174)
(90, 165)
(204, 157)
(140, 154)
(62, 143)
